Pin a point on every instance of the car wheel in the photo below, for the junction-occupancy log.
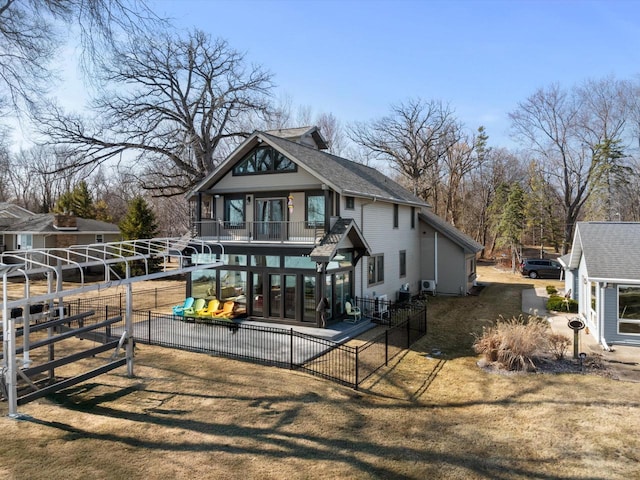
(533, 274)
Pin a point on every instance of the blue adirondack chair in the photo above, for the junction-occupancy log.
(179, 309)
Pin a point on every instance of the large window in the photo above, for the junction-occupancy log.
(264, 160)
(629, 309)
(315, 210)
(234, 212)
(376, 269)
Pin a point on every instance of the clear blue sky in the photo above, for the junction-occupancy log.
(354, 58)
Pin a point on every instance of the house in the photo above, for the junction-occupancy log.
(603, 274)
(21, 229)
(299, 224)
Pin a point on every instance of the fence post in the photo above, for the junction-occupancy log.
(291, 349)
(355, 386)
(155, 298)
(149, 329)
(108, 327)
(408, 331)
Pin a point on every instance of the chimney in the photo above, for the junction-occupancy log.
(65, 222)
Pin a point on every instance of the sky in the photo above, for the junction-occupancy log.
(355, 58)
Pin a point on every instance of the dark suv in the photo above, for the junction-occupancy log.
(534, 268)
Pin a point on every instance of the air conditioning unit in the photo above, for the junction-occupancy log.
(382, 303)
(428, 286)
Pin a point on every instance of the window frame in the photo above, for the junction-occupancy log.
(229, 223)
(630, 321)
(402, 259)
(315, 223)
(375, 267)
(396, 215)
(275, 162)
(20, 243)
(349, 203)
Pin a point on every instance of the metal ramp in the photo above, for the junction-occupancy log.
(151, 256)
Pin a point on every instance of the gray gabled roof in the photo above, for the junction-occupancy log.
(43, 223)
(468, 244)
(343, 228)
(295, 134)
(12, 210)
(611, 250)
(344, 176)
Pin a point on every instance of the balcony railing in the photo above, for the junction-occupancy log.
(268, 232)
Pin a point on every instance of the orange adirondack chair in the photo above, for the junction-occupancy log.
(226, 311)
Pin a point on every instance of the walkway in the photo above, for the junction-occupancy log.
(623, 361)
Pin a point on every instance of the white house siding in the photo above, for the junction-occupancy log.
(375, 219)
(274, 181)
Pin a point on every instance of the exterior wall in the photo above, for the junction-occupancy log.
(273, 181)
(375, 220)
(603, 321)
(610, 316)
(451, 271)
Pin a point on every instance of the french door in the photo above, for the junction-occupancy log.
(269, 218)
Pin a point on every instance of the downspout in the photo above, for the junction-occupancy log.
(435, 258)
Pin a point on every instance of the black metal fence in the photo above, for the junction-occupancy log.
(277, 346)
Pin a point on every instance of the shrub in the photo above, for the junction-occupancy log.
(514, 343)
(558, 345)
(562, 304)
(551, 290)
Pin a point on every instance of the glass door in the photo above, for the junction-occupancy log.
(269, 217)
(309, 285)
(275, 295)
(257, 295)
(290, 296)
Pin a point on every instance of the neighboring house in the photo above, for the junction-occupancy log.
(603, 274)
(299, 224)
(10, 214)
(49, 230)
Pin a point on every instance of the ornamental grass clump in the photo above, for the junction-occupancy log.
(514, 343)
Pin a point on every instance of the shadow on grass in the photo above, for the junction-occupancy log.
(277, 443)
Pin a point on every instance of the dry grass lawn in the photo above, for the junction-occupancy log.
(188, 415)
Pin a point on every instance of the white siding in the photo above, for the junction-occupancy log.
(273, 181)
(375, 219)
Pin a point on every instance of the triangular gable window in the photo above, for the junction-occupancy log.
(264, 159)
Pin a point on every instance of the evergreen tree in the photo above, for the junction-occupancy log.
(512, 222)
(77, 202)
(140, 223)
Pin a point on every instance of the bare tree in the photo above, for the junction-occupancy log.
(33, 186)
(30, 32)
(413, 139)
(566, 130)
(175, 109)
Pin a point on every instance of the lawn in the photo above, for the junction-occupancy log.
(188, 415)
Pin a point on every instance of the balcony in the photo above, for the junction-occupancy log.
(301, 233)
